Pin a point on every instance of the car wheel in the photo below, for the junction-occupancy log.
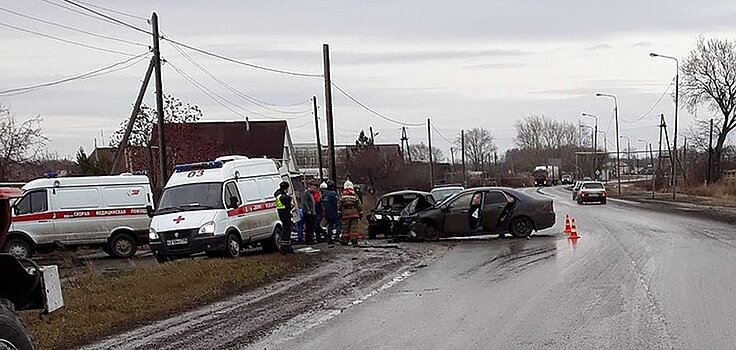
(232, 249)
(521, 227)
(122, 246)
(18, 247)
(272, 243)
(13, 334)
(430, 232)
(162, 259)
(372, 234)
(603, 201)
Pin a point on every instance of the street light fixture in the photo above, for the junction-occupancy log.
(618, 156)
(674, 142)
(596, 127)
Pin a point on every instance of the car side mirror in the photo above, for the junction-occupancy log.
(149, 211)
(444, 207)
(234, 203)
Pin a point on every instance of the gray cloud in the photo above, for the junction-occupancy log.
(497, 65)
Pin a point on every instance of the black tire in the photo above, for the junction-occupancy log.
(122, 246)
(162, 259)
(603, 201)
(521, 227)
(372, 234)
(18, 247)
(233, 246)
(12, 332)
(272, 243)
(430, 232)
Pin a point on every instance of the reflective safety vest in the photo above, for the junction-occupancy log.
(279, 205)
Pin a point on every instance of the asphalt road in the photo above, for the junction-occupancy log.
(636, 279)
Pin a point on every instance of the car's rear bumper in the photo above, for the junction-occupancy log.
(545, 220)
(590, 199)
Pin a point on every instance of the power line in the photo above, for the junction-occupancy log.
(442, 136)
(106, 17)
(372, 110)
(653, 106)
(70, 28)
(231, 88)
(113, 10)
(77, 11)
(94, 73)
(232, 60)
(66, 40)
(114, 20)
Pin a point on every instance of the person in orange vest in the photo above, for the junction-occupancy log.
(350, 213)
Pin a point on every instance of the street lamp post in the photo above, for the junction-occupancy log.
(628, 150)
(618, 156)
(674, 142)
(605, 149)
(595, 141)
(592, 145)
(646, 145)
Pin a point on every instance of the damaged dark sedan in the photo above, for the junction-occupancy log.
(390, 207)
(481, 211)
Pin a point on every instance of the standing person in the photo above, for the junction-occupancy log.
(284, 206)
(319, 232)
(308, 213)
(351, 213)
(329, 204)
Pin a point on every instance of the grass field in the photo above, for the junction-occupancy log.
(98, 305)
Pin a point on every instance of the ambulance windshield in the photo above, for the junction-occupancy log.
(198, 196)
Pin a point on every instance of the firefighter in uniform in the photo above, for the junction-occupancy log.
(284, 207)
(350, 213)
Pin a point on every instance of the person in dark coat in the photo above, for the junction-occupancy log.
(309, 212)
(329, 205)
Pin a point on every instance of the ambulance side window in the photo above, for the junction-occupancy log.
(250, 191)
(34, 202)
(266, 187)
(231, 190)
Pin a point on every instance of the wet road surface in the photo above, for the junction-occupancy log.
(635, 279)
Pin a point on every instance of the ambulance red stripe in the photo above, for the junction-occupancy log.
(76, 214)
(249, 208)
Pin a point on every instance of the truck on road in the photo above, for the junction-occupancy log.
(546, 175)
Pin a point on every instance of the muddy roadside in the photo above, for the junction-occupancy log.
(342, 277)
(713, 212)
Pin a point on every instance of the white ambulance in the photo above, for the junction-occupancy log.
(218, 207)
(104, 211)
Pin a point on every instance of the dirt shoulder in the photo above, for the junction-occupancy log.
(685, 204)
(332, 280)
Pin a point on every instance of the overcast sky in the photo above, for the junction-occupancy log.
(463, 63)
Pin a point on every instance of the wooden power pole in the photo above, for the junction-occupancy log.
(429, 140)
(319, 143)
(159, 103)
(328, 112)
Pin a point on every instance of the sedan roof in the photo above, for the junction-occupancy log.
(405, 192)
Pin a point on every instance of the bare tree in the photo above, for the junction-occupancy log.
(479, 146)
(419, 153)
(19, 141)
(709, 79)
(540, 132)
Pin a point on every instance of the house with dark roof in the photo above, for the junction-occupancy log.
(202, 141)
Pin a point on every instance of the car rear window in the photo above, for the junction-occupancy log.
(593, 186)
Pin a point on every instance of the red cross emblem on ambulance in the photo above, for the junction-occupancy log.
(179, 219)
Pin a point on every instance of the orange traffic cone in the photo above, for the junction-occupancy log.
(574, 231)
(568, 228)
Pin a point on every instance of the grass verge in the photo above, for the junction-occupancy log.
(712, 195)
(100, 305)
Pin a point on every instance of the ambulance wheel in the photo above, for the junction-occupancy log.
(12, 333)
(18, 247)
(232, 250)
(122, 246)
(272, 243)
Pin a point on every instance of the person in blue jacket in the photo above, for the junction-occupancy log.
(329, 205)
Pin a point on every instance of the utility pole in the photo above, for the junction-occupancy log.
(429, 140)
(654, 170)
(159, 103)
(452, 159)
(370, 129)
(462, 155)
(131, 121)
(405, 139)
(328, 112)
(710, 153)
(319, 143)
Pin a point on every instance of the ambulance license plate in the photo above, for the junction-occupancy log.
(176, 241)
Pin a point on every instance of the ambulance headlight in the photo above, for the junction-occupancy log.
(152, 234)
(207, 229)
